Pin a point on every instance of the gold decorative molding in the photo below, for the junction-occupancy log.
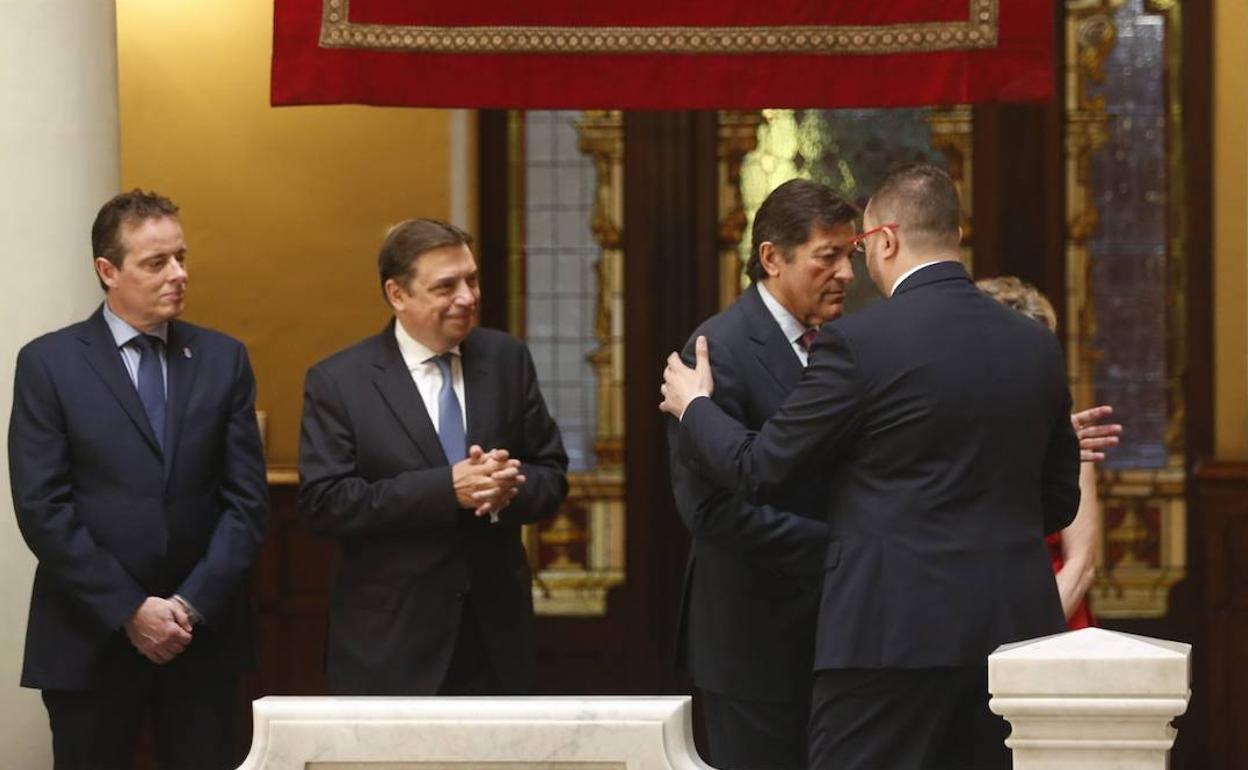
(978, 29)
(578, 555)
(953, 135)
(738, 137)
(602, 138)
(1143, 548)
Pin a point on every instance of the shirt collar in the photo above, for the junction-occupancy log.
(123, 332)
(789, 325)
(414, 352)
(911, 272)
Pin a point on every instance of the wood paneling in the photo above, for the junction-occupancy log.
(1221, 497)
(292, 598)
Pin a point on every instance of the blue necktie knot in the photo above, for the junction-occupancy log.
(151, 383)
(450, 414)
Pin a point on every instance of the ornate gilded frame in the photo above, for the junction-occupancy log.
(579, 554)
(979, 29)
(1137, 582)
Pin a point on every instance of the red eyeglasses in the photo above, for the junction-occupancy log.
(857, 243)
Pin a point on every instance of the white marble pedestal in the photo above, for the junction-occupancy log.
(652, 733)
(1090, 699)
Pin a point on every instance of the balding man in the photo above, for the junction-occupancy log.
(943, 427)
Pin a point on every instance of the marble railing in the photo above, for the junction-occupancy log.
(567, 733)
(1091, 699)
(1085, 700)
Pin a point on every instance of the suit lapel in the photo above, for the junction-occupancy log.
(394, 382)
(479, 396)
(100, 350)
(181, 364)
(775, 354)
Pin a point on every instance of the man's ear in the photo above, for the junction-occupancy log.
(892, 246)
(769, 257)
(394, 293)
(106, 271)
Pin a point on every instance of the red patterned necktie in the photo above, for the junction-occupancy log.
(807, 338)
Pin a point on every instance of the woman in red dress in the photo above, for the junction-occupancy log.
(1073, 550)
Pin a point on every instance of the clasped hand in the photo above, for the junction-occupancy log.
(159, 629)
(681, 384)
(486, 482)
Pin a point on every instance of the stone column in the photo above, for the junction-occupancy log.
(1091, 699)
(59, 162)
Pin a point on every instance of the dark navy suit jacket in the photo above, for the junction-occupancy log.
(113, 519)
(942, 421)
(751, 590)
(372, 475)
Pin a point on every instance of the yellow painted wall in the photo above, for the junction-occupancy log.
(283, 208)
(1230, 228)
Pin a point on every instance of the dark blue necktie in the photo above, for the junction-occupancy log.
(151, 383)
(450, 415)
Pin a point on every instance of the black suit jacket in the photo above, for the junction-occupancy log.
(112, 519)
(751, 590)
(942, 420)
(373, 475)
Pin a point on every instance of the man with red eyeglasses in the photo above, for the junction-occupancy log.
(940, 422)
(752, 586)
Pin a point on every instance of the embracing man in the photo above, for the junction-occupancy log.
(751, 592)
(941, 422)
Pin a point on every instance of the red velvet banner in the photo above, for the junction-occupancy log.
(661, 54)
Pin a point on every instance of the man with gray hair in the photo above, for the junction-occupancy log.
(423, 450)
(751, 593)
(941, 420)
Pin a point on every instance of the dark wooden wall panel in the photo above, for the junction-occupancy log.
(1222, 503)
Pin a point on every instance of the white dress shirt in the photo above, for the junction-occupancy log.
(123, 333)
(428, 377)
(911, 272)
(792, 328)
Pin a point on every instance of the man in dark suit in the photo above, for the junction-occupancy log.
(751, 591)
(942, 422)
(138, 481)
(432, 591)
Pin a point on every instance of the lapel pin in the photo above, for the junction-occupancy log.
(186, 352)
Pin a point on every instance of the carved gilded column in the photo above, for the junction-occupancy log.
(952, 135)
(1143, 540)
(579, 553)
(738, 136)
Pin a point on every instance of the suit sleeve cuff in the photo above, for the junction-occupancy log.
(692, 401)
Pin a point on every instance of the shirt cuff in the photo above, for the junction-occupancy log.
(196, 618)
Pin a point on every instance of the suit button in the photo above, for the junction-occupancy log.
(460, 595)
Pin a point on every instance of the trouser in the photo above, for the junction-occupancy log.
(906, 719)
(470, 671)
(193, 725)
(747, 734)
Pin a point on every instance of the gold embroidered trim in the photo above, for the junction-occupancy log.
(979, 30)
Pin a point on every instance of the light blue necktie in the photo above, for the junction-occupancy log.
(151, 383)
(450, 415)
